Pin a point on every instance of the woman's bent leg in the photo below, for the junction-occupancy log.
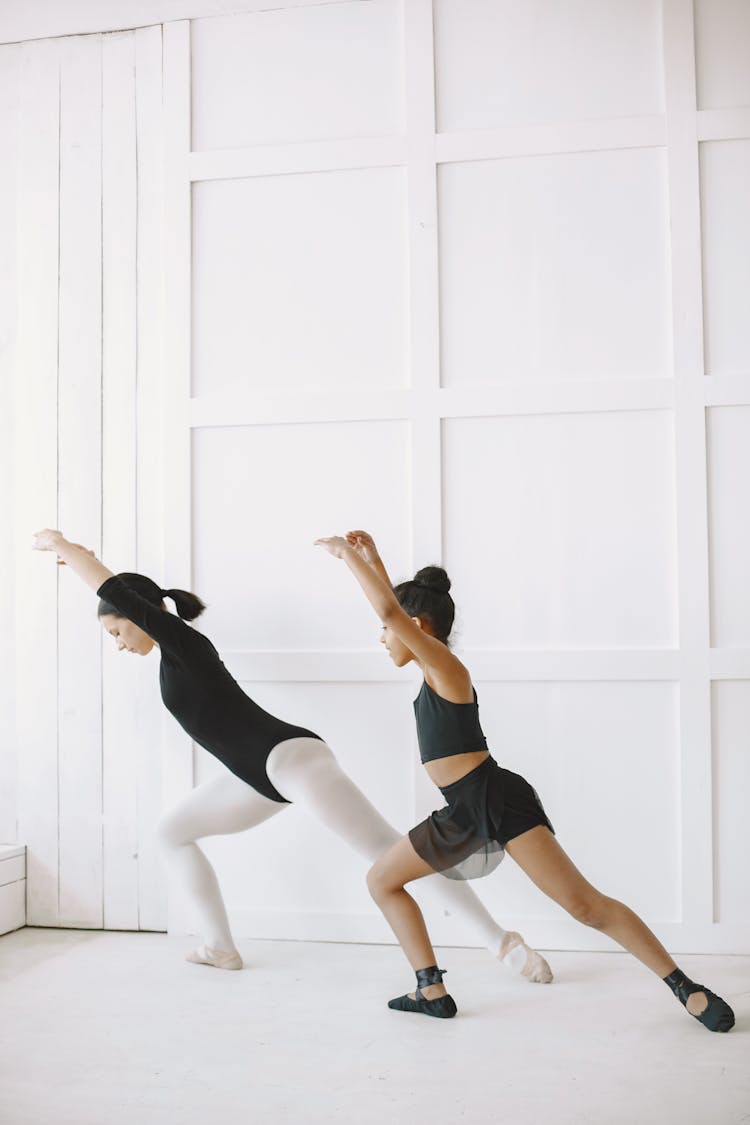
(224, 804)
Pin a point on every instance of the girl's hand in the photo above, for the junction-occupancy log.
(336, 545)
(364, 545)
(47, 540)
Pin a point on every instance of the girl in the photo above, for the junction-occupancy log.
(269, 763)
(489, 809)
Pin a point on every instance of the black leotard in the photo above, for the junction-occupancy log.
(205, 699)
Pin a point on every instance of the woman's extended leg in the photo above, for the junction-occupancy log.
(538, 853)
(305, 771)
(224, 804)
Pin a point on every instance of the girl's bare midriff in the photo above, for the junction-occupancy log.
(445, 771)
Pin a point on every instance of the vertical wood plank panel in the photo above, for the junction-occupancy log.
(150, 460)
(10, 81)
(119, 444)
(36, 474)
(79, 480)
(692, 509)
(178, 756)
(424, 289)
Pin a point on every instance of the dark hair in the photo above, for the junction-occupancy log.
(427, 596)
(188, 606)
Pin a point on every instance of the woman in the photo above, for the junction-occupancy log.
(269, 763)
(489, 809)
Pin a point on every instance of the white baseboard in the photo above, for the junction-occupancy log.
(543, 933)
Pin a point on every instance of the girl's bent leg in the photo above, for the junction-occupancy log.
(305, 770)
(224, 804)
(385, 881)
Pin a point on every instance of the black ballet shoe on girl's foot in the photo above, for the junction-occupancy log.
(716, 1016)
(443, 1007)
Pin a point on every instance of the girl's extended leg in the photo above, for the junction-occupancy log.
(538, 853)
(222, 805)
(305, 771)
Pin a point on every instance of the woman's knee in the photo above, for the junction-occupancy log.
(591, 910)
(170, 831)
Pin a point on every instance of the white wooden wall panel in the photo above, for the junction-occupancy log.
(322, 250)
(531, 61)
(571, 349)
(722, 50)
(266, 493)
(729, 473)
(79, 479)
(86, 246)
(725, 188)
(119, 471)
(554, 266)
(150, 485)
(573, 537)
(36, 474)
(297, 74)
(731, 772)
(10, 63)
(451, 344)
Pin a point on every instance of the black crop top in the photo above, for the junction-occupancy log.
(202, 694)
(445, 728)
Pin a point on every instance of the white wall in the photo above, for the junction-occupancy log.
(88, 419)
(9, 92)
(474, 277)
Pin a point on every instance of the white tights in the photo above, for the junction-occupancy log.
(304, 771)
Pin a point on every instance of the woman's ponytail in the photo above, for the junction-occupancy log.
(188, 606)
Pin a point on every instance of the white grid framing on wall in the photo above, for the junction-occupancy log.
(425, 404)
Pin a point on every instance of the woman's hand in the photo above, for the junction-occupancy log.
(364, 545)
(47, 540)
(336, 545)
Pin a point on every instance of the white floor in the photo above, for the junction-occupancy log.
(111, 1028)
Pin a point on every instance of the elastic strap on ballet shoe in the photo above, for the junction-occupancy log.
(425, 977)
(443, 1007)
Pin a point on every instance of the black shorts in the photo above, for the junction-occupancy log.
(487, 807)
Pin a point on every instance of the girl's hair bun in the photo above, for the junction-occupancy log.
(433, 578)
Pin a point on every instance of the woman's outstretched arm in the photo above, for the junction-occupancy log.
(84, 562)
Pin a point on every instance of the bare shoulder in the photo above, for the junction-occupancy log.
(450, 679)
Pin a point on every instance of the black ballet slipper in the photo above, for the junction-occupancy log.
(443, 1007)
(716, 1016)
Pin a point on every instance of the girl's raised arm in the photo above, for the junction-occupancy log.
(84, 562)
(429, 651)
(364, 544)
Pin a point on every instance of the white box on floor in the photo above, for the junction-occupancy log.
(12, 887)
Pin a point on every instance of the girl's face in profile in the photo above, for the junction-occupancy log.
(397, 650)
(128, 636)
